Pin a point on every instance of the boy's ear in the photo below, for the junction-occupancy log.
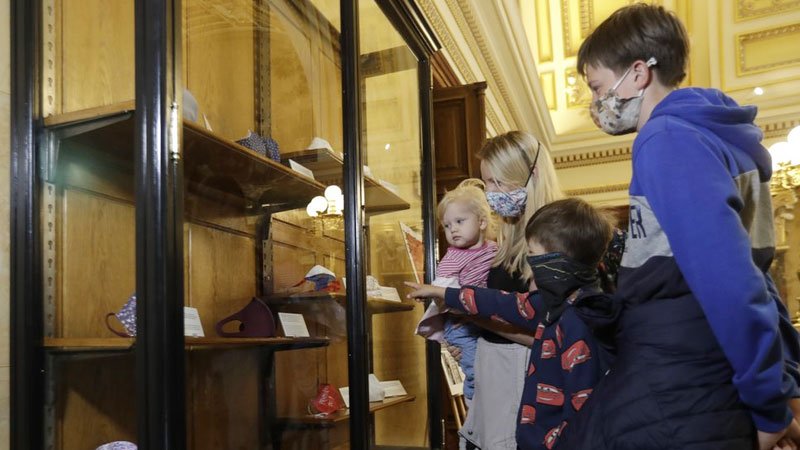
(642, 75)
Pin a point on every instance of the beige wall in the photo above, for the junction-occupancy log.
(5, 103)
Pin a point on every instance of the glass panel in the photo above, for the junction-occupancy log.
(88, 223)
(261, 144)
(392, 145)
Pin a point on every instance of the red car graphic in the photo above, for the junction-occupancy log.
(467, 298)
(551, 437)
(549, 395)
(559, 336)
(528, 415)
(579, 398)
(539, 331)
(548, 349)
(531, 369)
(577, 353)
(524, 306)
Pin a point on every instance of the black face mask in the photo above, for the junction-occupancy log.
(557, 276)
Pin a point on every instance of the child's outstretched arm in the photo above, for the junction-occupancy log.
(425, 291)
(515, 308)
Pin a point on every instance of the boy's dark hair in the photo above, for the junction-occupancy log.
(573, 227)
(638, 32)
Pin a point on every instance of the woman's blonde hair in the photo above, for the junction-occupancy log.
(472, 193)
(509, 158)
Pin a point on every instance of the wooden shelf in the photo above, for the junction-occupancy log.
(328, 166)
(375, 305)
(312, 421)
(214, 167)
(119, 344)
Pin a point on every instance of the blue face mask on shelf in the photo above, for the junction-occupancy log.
(512, 204)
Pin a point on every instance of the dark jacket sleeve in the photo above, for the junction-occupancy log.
(515, 308)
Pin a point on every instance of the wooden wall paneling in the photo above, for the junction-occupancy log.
(291, 79)
(223, 386)
(399, 354)
(96, 58)
(97, 274)
(95, 401)
(218, 44)
(222, 277)
(329, 120)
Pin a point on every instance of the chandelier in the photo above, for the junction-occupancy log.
(786, 162)
(327, 211)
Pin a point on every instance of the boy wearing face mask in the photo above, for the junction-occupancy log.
(566, 240)
(707, 355)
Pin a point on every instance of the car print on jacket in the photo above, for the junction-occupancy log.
(549, 395)
(579, 398)
(467, 298)
(527, 415)
(524, 306)
(577, 353)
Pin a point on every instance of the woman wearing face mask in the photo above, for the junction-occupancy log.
(520, 178)
(707, 358)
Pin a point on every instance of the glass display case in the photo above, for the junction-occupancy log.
(229, 195)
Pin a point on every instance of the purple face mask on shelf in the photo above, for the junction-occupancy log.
(255, 321)
(126, 316)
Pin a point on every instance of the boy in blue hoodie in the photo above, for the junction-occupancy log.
(707, 358)
(566, 240)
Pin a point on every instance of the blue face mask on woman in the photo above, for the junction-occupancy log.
(512, 204)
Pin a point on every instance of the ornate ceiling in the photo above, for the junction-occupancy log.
(525, 51)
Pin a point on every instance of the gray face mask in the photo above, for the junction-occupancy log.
(616, 115)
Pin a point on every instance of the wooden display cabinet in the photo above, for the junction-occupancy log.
(271, 66)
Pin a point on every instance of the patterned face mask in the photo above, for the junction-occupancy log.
(508, 204)
(512, 204)
(557, 276)
(616, 115)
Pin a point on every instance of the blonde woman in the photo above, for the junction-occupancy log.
(520, 178)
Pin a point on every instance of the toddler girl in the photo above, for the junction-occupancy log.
(466, 217)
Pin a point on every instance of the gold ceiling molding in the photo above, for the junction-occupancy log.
(753, 53)
(593, 158)
(597, 189)
(779, 129)
(455, 52)
(548, 82)
(751, 9)
(544, 40)
(477, 45)
(576, 91)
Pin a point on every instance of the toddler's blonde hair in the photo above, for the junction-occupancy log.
(470, 192)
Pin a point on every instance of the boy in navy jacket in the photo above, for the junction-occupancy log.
(566, 240)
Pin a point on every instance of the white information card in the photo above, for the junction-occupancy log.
(393, 388)
(293, 325)
(191, 323)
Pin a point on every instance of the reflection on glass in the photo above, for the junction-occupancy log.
(393, 158)
(260, 229)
